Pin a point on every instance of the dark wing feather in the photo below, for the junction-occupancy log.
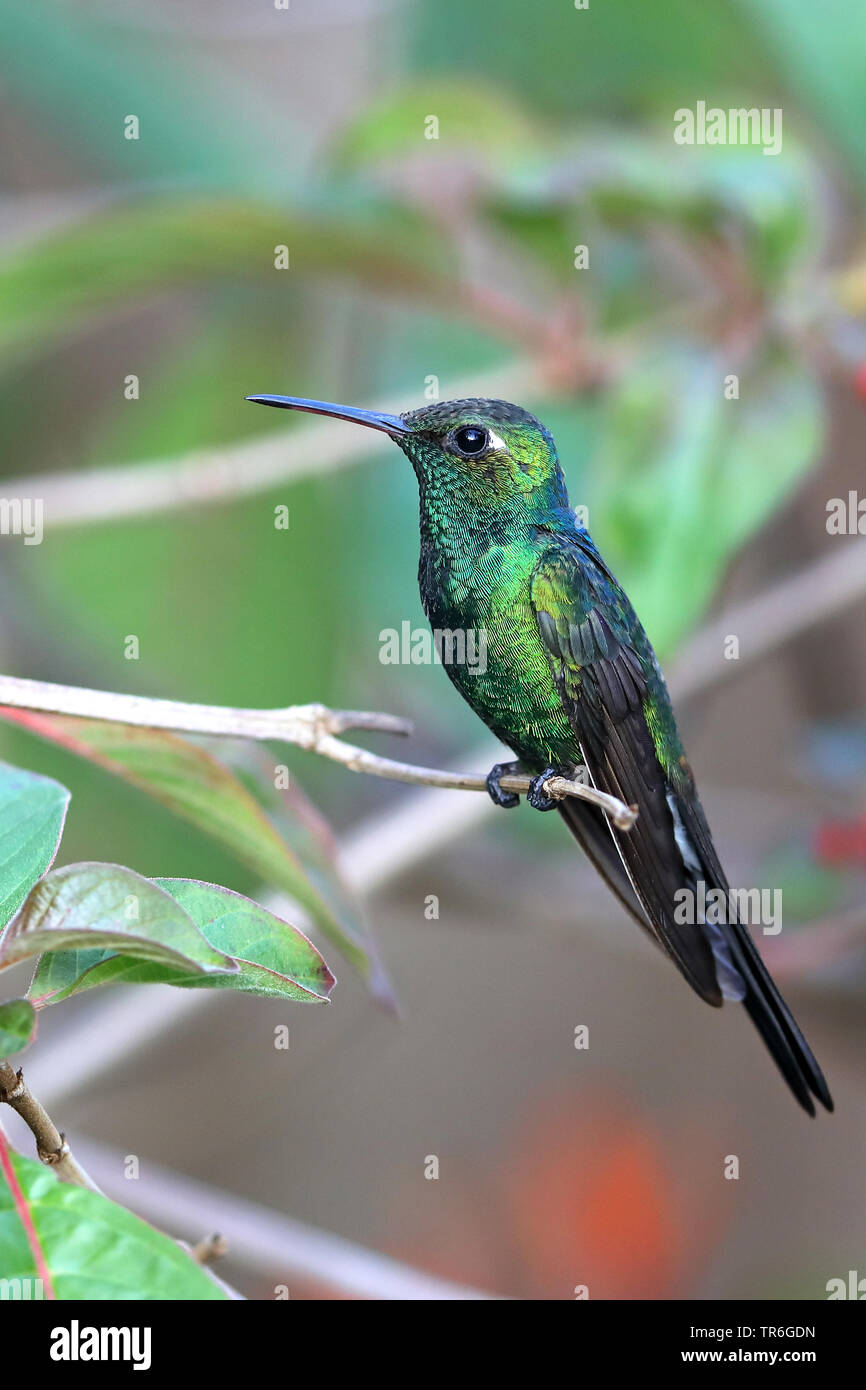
(590, 828)
(604, 690)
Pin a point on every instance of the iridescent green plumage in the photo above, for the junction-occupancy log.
(570, 680)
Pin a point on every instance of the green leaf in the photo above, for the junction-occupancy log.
(273, 959)
(119, 255)
(194, 784)
(762, 208)
(821, 51)
(617, 59)
(472, 117)
(686, 476)
(83, 1246)
(90, 905)
(17, 1026)
(32, 812)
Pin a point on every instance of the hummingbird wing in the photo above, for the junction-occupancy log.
(617, 703)
(585, 630)
(590, 827)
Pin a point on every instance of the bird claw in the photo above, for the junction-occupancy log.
(497, 795)
(537, 796)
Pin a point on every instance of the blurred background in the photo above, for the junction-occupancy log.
(703, 368)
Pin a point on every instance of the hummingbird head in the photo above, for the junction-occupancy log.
(477, 453)
(488, 453)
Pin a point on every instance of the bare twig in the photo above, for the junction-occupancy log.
(312, 727)
(301, 724)
(51, 1146)
(209, 1248)
(360, 760)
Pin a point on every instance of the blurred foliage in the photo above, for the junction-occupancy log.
(242, 815)
(408, 257)
(689, 476)
(101, 923)
(632, 58)
(32, 813)
(17, 1026)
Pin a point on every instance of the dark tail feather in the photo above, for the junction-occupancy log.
(763, 1002)
(777, 1025)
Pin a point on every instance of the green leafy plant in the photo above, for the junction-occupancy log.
(91, 924)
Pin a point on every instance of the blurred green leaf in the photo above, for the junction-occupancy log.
(685, 476)
(765, 209)
(194, 784)
(821, 49)
(113, 258)
(32, 812)
(195, 127)
(17, 1026)
(85, 1245)
(441, 119)
(273, 959)
(89, 905)
(809, 890)
(618, 60)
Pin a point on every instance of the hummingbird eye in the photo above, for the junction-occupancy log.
(471, 440)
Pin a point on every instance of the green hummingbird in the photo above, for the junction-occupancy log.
(571, 682)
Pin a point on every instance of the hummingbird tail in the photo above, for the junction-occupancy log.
(757, 989)
(777, 1025)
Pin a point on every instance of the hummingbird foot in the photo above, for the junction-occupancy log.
(537, 796)
(497, 795)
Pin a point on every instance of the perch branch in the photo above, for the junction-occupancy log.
(312, 727)
(51, 1146)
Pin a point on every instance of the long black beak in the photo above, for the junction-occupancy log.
(373, 419)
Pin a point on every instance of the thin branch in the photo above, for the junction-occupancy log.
(360, 760)
(51, 1146)
(311, 727)
(301, 724)
(209, 1248)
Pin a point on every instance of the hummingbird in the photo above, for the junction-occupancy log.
(572, 686)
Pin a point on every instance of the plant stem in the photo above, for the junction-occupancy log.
(51, 1146)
